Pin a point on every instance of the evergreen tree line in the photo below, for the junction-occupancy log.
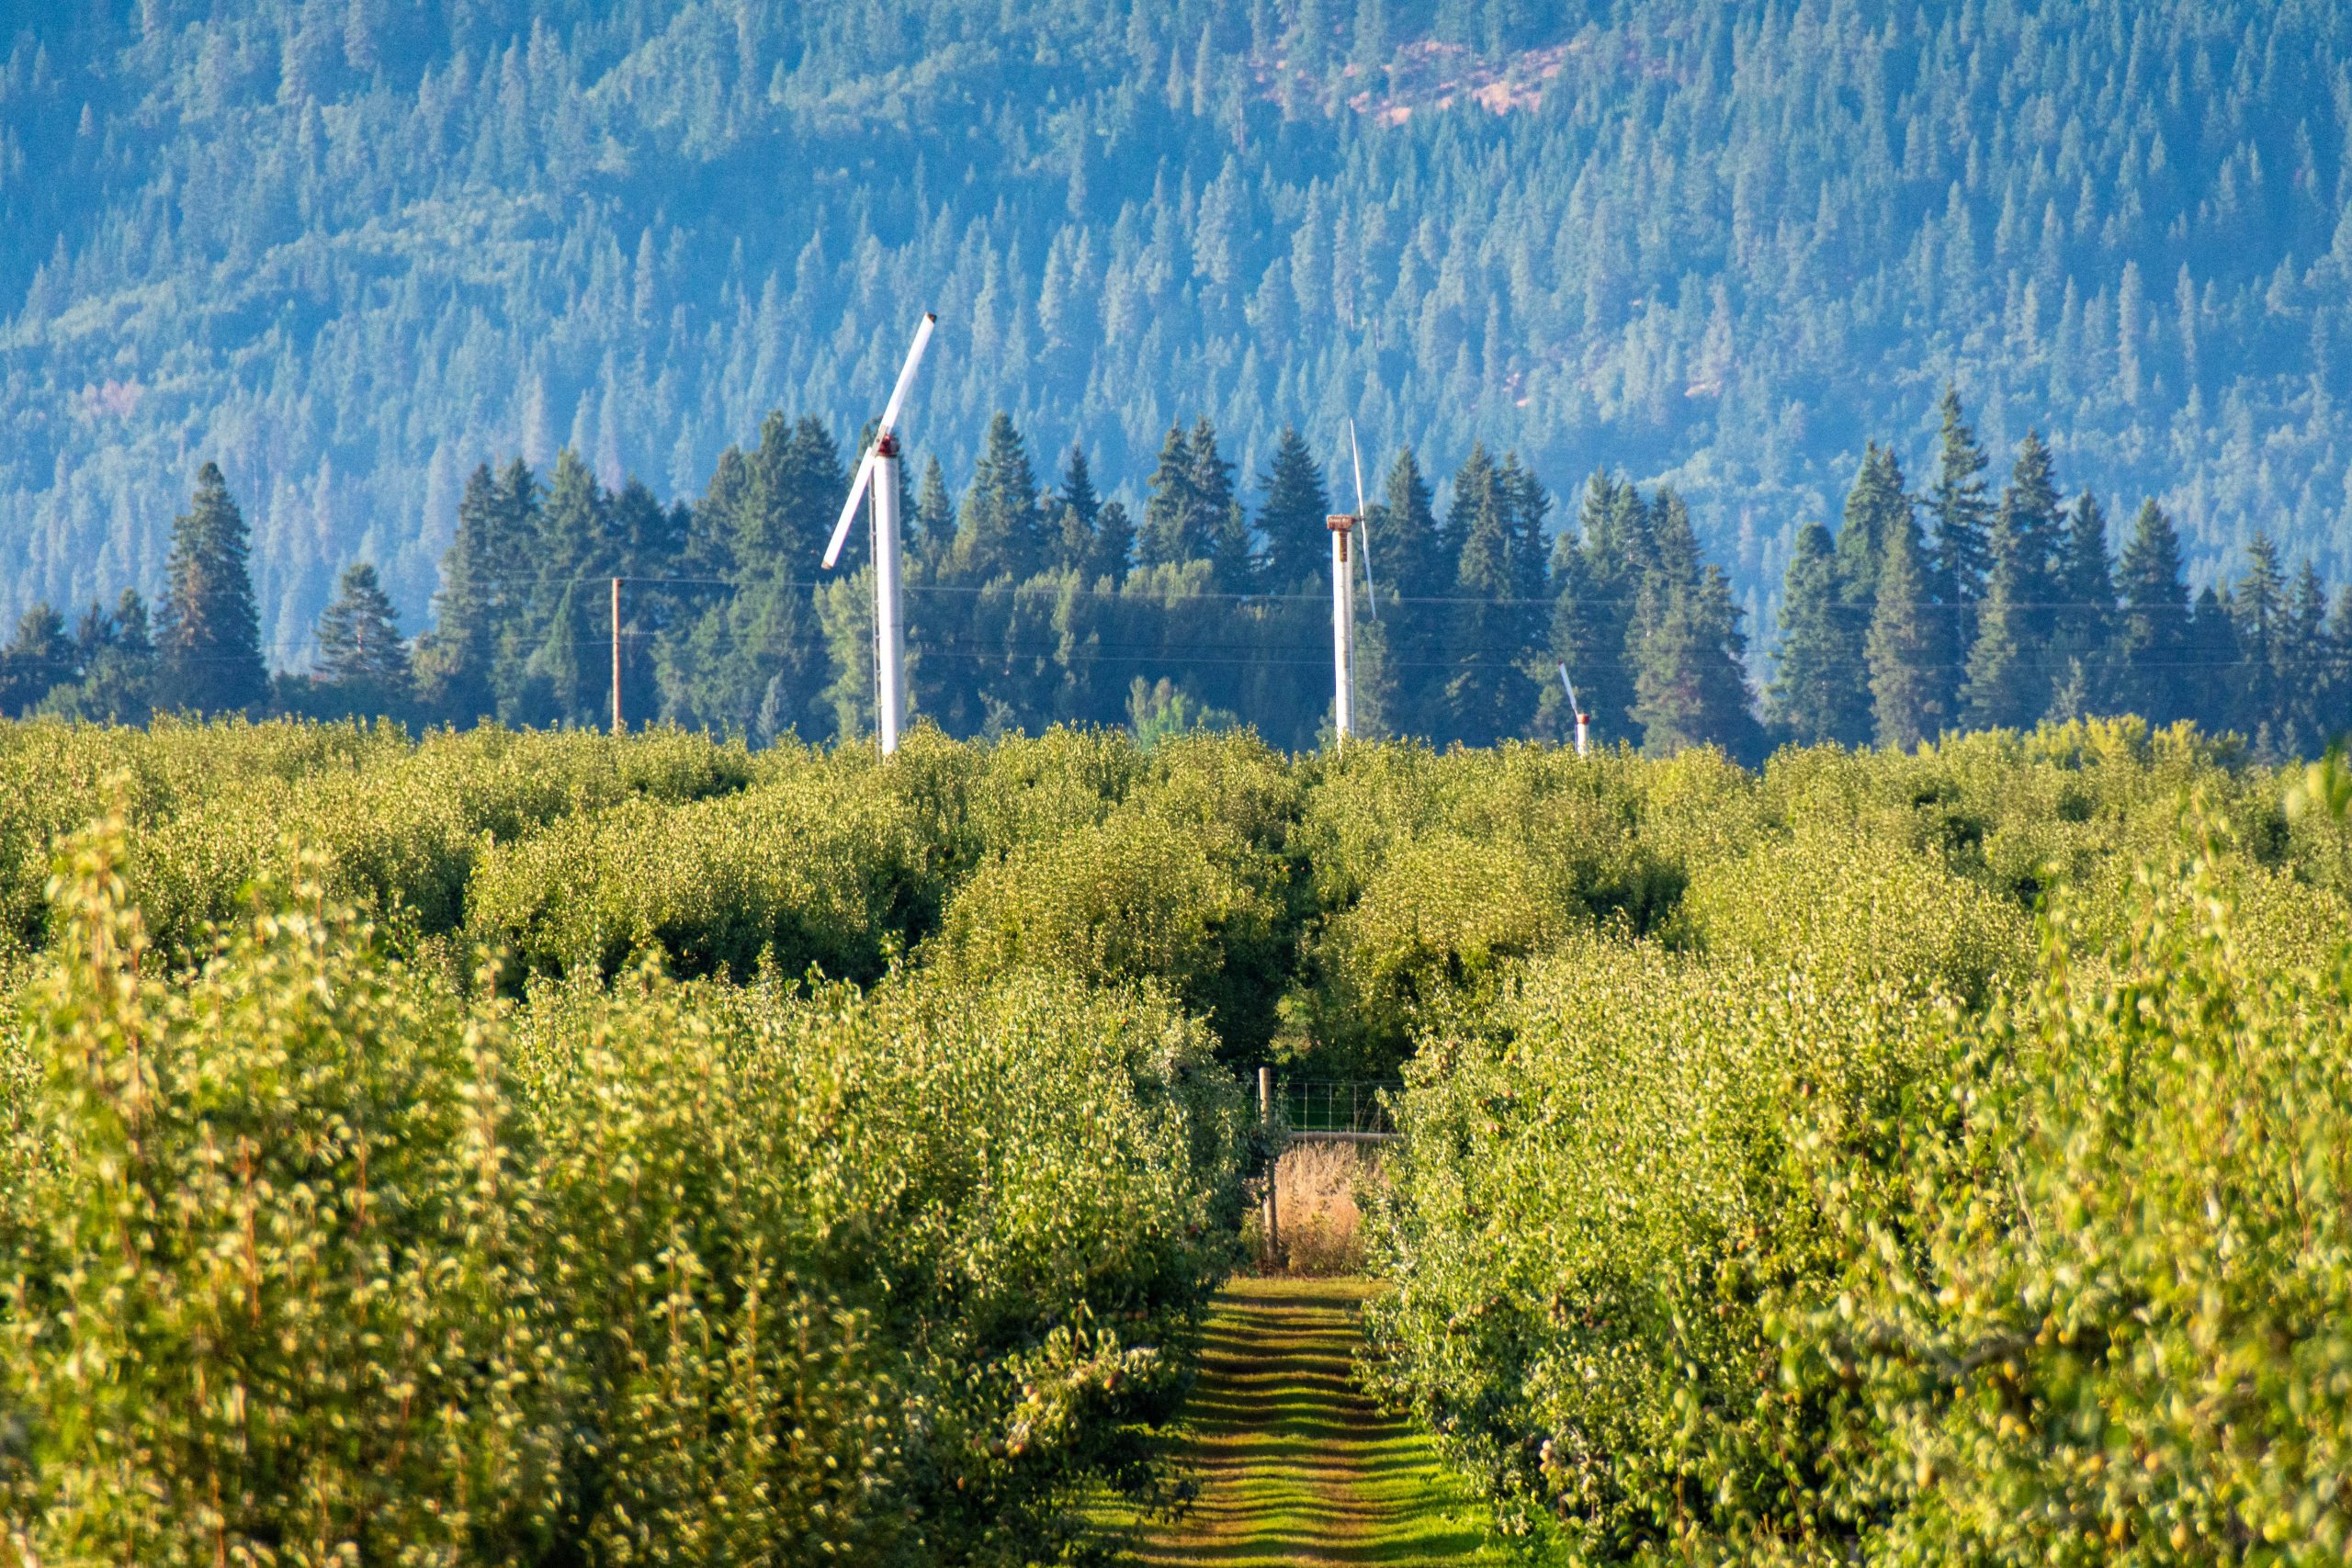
(1031, 602)
(1948, 609)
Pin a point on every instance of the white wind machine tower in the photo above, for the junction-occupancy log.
(1584, 720)
(1343, 526)
(879, 469)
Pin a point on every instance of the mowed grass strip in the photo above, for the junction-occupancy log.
(1295, 1466)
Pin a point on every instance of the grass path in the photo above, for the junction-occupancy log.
(1295, 1466)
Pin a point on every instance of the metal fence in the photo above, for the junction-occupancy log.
(1347, 1106)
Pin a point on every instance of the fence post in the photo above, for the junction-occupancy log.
(1266, 1117)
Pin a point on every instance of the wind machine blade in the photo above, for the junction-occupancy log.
(1364, 520)
(849, 512)
(907, 375)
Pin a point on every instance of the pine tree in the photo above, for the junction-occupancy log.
(2257, 605)
(1487, 692)
(360, 650)
(1962, 552)
(1594, 598)
(647, 536)
(710, 544)
(37, 658)
(844, 608)
(564, 681)
(1397, 653)
(764, 511)
(1114, 538)
(1074, 509)
(1077, 487)
(1001, 533)
(1875, 506)
(1218, 530)
(2305, 659)
(1573, 640)
(799, 482)
(1408, 530)
(1211, 479)
(1690, 681)
(1473, 488)
(2152, 631)
(1526, 505)
(1233, 557)
(484, 581)
(648, 540)
(2213, 670)
(94, 633)
(1293, 519)
(1073, 540)
(117, 659)
(2005, 685)
(2083, 622)
(208, 635)
(749, 659)
(1816, 694)
(130, 662)
(804, 497)
(2008, 674)
(2028, 518)
(1691, 690)
(1906, 655)
(932, 534)
(519, 629)
(1169, 513)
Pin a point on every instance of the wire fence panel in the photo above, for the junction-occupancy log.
(1337, 1105)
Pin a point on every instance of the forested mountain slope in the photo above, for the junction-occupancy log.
(351, 248)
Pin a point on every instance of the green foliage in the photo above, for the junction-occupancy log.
(1296, 515)
(1769, 1135)
(1906, 655)
(817, 867)
(281, 1219)
(318, 1260)
(1877, 1227)
(394, 825)
(1590, 1203)
(1430, 872)
(1184, 883)
(2110, 1329)
(1160, 710)
(1828, 896)
(899, 1274)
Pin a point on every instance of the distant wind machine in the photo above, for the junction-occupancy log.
(879, 470)
(1343, 526)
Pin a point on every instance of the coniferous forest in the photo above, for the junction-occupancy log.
(354, 252)
(1968, 599)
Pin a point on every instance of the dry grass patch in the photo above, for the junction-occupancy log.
(1319, 1222)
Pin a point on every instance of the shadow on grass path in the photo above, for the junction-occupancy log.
(1296, 1465)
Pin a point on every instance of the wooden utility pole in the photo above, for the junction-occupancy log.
(1266, 1116)
(616, 656)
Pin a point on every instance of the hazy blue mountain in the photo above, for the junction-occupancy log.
(350, 248)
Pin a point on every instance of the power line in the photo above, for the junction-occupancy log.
(1124, 594)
